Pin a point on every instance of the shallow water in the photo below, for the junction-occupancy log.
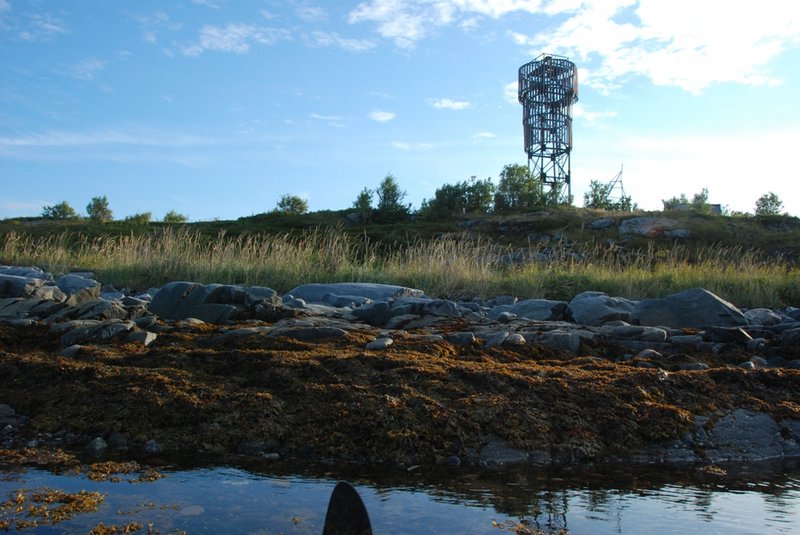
(282, 498)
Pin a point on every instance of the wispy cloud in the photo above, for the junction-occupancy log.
(448, 104)
(41, 27)
(86, 69)
(381, 116)
(207, 3)
(326, 117)
(326, 39)
(405, 145)
(311, 13)
(135, 136)
(579, 111)
(407, 22)
(235, 37)
(484, 135)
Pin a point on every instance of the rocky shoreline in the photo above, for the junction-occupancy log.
(380, 373)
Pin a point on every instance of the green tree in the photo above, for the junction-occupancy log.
(174, 217)
(98, 210)
(292, 205)
(467, 197)
(390, 200)
(769, 204)
(139, 219)
(518, 190)
(698, 203)
(599, 196)
(363, 205)
(61, 211)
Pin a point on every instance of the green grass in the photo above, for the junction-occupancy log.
(448, 264)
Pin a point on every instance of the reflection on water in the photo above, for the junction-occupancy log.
(282, 498)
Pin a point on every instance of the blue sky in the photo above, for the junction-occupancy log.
(216, 108)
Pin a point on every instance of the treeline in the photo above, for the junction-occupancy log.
(99, 211)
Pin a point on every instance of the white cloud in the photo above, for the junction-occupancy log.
(234, 37)
(86, 69)
(405, 145)
(140, 137)
(408, 21)
(326, 39)
(511, 92)
(381, 116)
(207, 3)
(311, 13)
(4, 6)
(325, 117)
(690, 44)
(685, 43)
(448, 104)
(484, 135)
(580, 112)
(41, 27)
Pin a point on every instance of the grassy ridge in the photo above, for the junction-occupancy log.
(449, 264)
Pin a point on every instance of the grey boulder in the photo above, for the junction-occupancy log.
(597, 308)
(696, 308)
(214, 303)
(78, 289)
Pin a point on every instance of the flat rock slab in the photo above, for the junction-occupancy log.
(317, 293)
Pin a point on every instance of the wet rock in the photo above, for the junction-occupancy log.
(98, 445)
(118, 441)
(648, 354)
(252, 448)
(690, 308)
(152, 447)
(315, 293)
(744, 435)
(6, 411)
(496, 453)
(78, 289)
(597, 308)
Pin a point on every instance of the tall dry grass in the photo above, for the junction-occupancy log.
(453, 266)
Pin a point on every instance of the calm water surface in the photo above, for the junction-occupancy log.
(282, 498)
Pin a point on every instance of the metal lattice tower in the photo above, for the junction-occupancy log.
(548, 86)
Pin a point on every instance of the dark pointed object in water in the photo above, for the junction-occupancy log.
(346, 513)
